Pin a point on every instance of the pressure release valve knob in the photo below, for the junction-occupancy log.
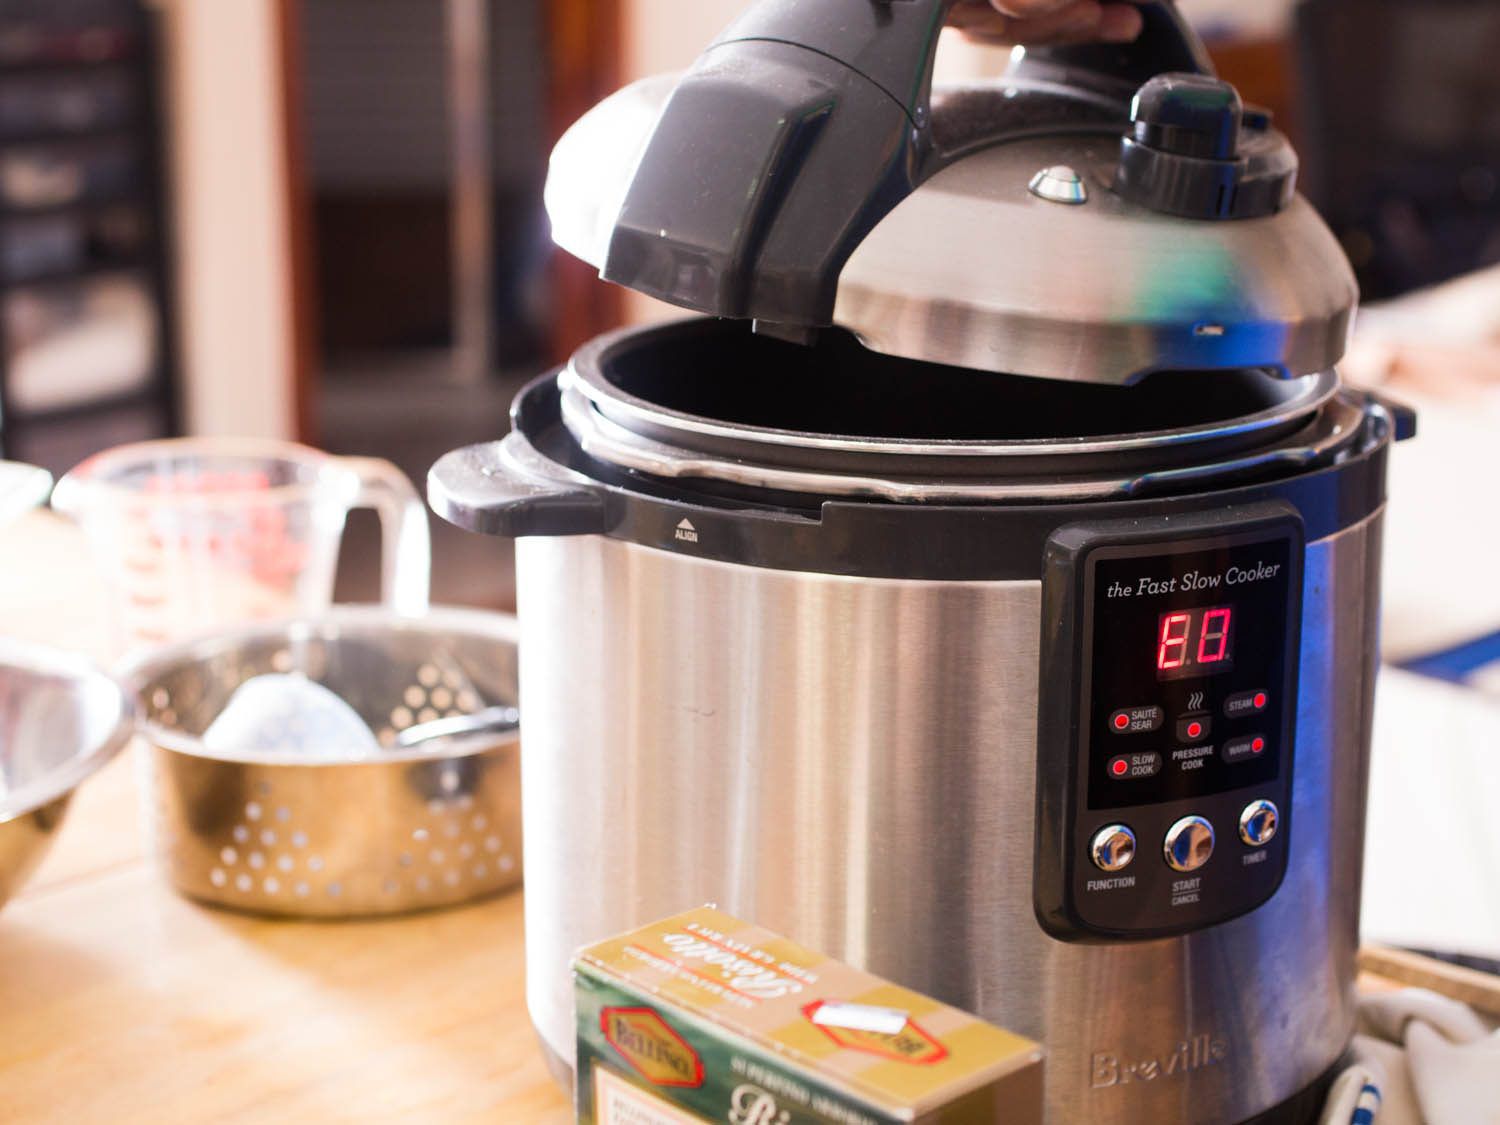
(1193, 151)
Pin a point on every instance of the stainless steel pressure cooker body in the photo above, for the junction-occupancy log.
(999, 611)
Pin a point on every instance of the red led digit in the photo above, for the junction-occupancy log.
(1172, 651)
(1213, 645)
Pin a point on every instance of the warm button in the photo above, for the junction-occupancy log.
(1189, 844)
(1112, 848)
(1258, 823)
(1244, 749)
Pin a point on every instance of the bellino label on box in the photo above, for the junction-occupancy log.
(705, 1018)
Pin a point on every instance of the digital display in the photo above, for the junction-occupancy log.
(1187, 652)
(1196, 642)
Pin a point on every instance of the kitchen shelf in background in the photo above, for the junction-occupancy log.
(85, 283)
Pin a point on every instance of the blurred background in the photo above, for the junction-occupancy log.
(322, 219)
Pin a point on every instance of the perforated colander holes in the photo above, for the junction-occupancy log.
(436, 695)
(454, 848)
(270, 855)
(254, 863)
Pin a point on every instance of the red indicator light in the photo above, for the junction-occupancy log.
(1118, 767)
(1195, 730)
(1122, 721)
(1260, 700)
(1258, 745)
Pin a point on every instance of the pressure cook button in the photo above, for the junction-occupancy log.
(1258, 823)
(1244, 749)
(1131, 767)
(1112, 848)
(1133, 720)
(1189, 844)
(1245, 703)
(1193, 728)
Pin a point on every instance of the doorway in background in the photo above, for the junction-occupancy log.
(419, 134)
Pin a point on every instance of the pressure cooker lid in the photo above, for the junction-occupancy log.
(1098, 215)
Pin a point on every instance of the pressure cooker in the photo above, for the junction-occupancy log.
(985, 590)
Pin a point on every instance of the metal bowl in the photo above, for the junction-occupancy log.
(297, 835)
(60, 720)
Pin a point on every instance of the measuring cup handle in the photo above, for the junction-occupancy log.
(406, 548)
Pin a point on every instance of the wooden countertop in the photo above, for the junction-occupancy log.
(122, 1002)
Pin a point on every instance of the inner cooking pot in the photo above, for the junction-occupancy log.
(721, 370)
(712, 399)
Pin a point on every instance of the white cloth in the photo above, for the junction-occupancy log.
(1433, 782)
(1422, 1059)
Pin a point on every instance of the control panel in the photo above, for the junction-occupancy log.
(1166, 722)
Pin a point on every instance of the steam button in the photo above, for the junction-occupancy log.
(1112, 848)
(1189, 844)
(1258, 823)
(1245, 703)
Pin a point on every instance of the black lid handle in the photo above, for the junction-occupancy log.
(894, 43)
(1166, 44)
(798, 131)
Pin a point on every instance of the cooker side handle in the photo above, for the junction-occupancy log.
(505, 488)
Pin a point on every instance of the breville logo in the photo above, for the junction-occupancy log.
(687, 532)
(1110, 1068)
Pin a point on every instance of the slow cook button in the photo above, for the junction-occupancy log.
(1134, 720)
(1244, 749)
(1244, 703)
(1132, 767)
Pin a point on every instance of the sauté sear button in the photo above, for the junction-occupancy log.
(1244, 703)
(1258, 823)
(1189, 844)
(1133, 720)
(1193, 728)
(1244, 749)
(1112, 848)
(1130, 767)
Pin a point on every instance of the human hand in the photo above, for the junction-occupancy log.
(1046, 22)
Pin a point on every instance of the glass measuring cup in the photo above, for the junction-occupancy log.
(197, 533)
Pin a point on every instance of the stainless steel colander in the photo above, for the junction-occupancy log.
(298, 835)
(60, 720)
